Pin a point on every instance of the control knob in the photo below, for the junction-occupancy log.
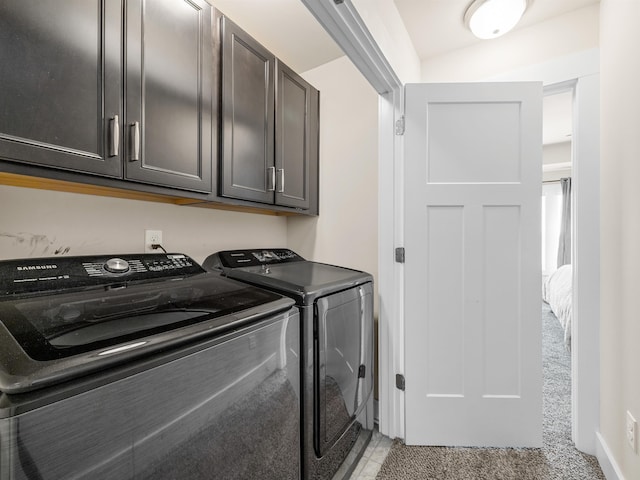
(116, 265)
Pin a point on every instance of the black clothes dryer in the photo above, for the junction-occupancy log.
(336, 314)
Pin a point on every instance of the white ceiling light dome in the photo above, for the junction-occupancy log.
(492, 18)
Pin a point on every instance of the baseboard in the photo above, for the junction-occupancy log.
(605, 459)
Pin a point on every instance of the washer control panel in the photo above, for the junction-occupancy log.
(42, 274)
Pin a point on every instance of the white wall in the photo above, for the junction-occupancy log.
(556, 153)
(346, 232)
(37, 223)
(572, 32)
(553, 155)
(620, 232)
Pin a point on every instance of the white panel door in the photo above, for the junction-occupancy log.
(473, 181)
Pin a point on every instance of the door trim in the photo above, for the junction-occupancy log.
(346, 27)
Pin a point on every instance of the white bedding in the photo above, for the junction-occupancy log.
(556, 291)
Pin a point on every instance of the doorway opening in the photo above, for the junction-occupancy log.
(557, 268)
(557, 231)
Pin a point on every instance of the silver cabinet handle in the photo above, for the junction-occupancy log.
(114, 136)
(134, 152)
(271, 176)
(281, 189)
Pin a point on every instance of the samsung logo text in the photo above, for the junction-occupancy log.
(37, 267)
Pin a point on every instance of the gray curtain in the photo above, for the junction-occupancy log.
(564, 245)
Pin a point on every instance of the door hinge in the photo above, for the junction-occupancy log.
(400, 255)
(400, 381)
(400, 126)
(362, 371)
(338, 2)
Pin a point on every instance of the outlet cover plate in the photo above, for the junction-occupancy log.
(152, 237)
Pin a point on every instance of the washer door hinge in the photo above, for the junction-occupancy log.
(400, 126)
(400, 381)
(400, 255)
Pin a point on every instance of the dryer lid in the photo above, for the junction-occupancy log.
(305, 281)
(286, 272)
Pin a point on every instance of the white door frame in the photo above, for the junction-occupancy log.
(580, 73)
(344, 24)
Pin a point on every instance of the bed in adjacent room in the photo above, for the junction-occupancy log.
(557, 292)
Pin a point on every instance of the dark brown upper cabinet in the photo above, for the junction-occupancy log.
(296, 121)
(61, 84)
(247, 169)
(75, 96)
(269, 126)
(169, 82)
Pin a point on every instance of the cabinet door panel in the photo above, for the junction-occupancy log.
(169, 93)
(60, 83)
(293, 109)
(247, 117)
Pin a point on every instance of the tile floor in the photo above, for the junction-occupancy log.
(372, 458)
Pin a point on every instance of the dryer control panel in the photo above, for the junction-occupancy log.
(250, 258)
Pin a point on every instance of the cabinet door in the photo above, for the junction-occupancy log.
(247, 169)
(61, 83)
(314, 153)
(293, 142)
(169, 93)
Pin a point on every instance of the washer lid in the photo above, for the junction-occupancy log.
(51, 335)
(55, 326)
(303, 280)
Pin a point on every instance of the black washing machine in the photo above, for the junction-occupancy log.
(144, 367)
(336, 314)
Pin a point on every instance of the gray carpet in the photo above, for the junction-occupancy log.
(557, 460)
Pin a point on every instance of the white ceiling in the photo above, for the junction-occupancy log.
(435, 26)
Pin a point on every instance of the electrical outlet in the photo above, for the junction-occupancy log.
(632, 432)
(152, 237)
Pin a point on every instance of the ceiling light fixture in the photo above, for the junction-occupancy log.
(491, 18)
